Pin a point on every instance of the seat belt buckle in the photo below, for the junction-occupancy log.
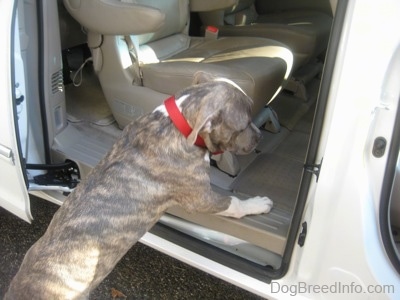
(211, 32)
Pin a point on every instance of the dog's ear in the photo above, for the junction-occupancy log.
(202, 77)
(204, 125)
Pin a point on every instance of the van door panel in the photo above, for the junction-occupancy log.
(13, 191)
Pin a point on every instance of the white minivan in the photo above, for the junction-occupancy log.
(331, 165)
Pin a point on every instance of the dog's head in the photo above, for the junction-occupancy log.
(220, 112)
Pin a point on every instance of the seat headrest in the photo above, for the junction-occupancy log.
(114, 17)
(176, 18)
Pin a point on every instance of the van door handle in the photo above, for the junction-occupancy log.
(5, 151)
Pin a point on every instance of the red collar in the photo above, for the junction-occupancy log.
(181, 124)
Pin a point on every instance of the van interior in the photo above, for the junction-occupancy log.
(90, 71)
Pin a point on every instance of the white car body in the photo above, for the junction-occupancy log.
(345, 253)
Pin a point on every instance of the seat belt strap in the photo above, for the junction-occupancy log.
(132, 47)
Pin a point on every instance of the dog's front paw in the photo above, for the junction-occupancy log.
(257, 205)
(252, 206)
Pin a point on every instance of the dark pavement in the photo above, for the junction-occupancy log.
(143, 273)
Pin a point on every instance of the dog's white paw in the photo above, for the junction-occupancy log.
(252, 206)
(257, 205)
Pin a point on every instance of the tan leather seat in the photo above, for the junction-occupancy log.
(151, 56)
(305, 32)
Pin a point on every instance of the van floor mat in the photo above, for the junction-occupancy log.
(275, 176)
(294, 146)
(289, 109)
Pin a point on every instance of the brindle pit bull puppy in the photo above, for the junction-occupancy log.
(151, 167)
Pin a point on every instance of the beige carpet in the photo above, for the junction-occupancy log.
(87, 102)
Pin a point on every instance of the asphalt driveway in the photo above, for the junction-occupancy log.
(143, 273)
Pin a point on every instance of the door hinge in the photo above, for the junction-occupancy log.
(302, 235)
(313, 169)
(64, 175)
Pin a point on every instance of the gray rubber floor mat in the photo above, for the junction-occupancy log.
(83, 143)
(274, 176)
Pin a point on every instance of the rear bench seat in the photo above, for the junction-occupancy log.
(305, 32)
